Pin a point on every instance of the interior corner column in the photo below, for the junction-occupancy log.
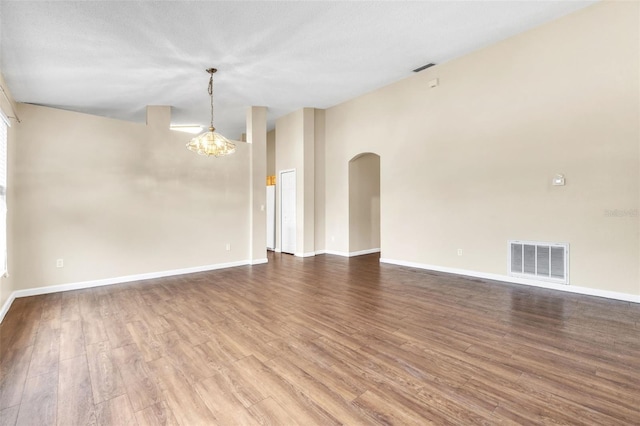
(308, 190)
(257, 137)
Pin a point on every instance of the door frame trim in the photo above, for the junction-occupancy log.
(279, 204)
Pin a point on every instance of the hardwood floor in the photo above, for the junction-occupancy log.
(324, 340)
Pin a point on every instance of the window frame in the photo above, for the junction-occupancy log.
(5, 124)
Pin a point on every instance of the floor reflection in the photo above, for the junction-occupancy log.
(538, 308)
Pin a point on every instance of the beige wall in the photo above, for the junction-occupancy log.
(309, 197)
(319, 181)
(364, 203)
(257, 138)
(114, 198)
(468, 165)
(271, 153)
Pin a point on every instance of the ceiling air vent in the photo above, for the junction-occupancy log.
(541, 261)
(424, 67)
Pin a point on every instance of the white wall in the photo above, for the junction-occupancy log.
(469, 164)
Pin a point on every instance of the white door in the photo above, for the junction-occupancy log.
(288, 211)
(271, 217)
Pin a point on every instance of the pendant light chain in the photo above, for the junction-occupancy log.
(211, 96)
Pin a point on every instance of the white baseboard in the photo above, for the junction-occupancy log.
(523, 281)
(277, 250)
(335, 253)
(139, 277)
(259, 261)
(116, 280)
(309, 254)
(363, 252)
(349, 254)
(7, 305)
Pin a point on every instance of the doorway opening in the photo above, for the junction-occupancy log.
(364, 204)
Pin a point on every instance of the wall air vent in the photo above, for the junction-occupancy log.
(539, 261)
(424, 67)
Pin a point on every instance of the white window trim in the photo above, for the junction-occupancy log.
(5, 118)
(4, 247)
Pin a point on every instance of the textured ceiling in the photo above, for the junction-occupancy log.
(113, 58)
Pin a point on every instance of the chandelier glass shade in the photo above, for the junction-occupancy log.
(211, 143)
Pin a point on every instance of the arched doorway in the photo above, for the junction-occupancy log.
(364, 204)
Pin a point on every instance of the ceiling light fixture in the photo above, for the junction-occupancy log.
(211, 143)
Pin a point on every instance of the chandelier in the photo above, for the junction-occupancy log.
(211, 143)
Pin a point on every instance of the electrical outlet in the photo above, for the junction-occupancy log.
(228, 247)
(60, 263)
(459, 252)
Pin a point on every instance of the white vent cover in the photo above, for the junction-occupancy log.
(537, 260)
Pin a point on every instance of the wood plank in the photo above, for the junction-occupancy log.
(70, 306)
(9, 416)
(307, 350)
(92, 324)
(75, 398)
(39, 400)
(221, 350)
(158, 414)
(46, 349)
(71, 340)
(313, 365)
(93, 330)
(51, 307)
(384, 410)
(262, 380)
(138, 379)
(219, 397)
(156, 324)
(269, 412)
(186, 405)
(238, 383)
(590, 397)
(247, 340)
(116, 411)
(188, 330)
(191, 360)
(149, 344)
(331, 401)
(117, 331)
(15, 367)
(106, 381)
